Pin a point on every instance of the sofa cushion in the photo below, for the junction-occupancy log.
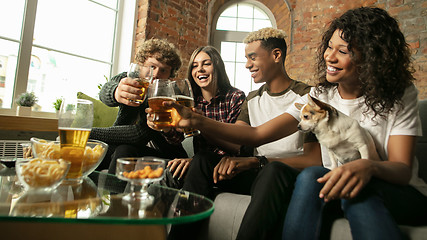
(225, 221)
(341, 230)
(103, 115)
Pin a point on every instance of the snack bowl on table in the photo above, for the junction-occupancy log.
(140, 172)
(95, 151)
(41, 174)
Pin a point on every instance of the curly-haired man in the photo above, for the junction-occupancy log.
(130, 136)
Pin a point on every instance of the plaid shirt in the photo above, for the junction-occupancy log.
(223, 108)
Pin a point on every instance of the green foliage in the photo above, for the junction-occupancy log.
(27, 99)
(100, 85)
(57, 104)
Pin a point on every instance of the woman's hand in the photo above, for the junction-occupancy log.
(150, 121)
(128, 91)
(229, 167)
(179, 166)
(346, 181)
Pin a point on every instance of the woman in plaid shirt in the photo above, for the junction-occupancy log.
(214, 97)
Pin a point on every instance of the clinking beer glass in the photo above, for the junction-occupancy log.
(184, 96)
(142, 74)
(74, 125)
(161, 90)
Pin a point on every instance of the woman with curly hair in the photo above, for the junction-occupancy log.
(365, 72)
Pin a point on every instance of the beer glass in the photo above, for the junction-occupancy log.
(184, 96)
(143, 75)
(161, 90)
(74, 125)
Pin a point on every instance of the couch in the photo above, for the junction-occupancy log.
(229, 208)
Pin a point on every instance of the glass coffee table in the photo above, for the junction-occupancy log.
(93, 210)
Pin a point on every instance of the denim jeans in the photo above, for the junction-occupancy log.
(371, 214)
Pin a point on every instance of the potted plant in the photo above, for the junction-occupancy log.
(57, 105)
(25, 101)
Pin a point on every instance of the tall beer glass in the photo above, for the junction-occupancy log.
(161, 90)
(142, 74)
(184, 96)
(74, 125)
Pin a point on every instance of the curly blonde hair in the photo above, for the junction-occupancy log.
(270, 38)
(265, 34)
(162, 51)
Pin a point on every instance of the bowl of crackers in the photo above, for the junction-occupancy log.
(37, 173)
(95, 152)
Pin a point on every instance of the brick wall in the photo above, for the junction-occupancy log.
(186, 24)
(181, 22)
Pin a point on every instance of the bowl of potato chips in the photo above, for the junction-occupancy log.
(95, 152)
(37, 173)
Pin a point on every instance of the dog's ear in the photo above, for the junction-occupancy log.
(331, 110)
(313, 102)
(319, 103)
(299, 106)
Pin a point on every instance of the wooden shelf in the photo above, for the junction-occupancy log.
(28, 123)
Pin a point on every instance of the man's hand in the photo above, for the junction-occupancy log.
(187, 115)
(128, 91)
(229, 167)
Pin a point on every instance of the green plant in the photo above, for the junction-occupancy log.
(27, 99)
(100, 85)
(57, 104)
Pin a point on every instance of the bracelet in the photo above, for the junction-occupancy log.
(262, 160)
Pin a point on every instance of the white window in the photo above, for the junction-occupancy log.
(232, 24)
(56, 48)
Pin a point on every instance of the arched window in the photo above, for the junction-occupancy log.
(233, 22)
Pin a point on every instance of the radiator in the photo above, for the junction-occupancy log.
(11, 148)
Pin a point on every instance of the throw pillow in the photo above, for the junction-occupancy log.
(103, 115)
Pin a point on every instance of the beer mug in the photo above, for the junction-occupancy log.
(74, 125)
(161, 90)
(143, 75)
(184, 96)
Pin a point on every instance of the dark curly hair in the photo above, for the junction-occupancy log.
(380, 53)
(219, 74)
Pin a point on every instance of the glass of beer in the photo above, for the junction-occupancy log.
(161, 90)
(74, 125)
(143, 75)
(184, 96)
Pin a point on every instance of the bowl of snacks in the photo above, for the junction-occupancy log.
(140, 171)
(37, 173)
(95, 151)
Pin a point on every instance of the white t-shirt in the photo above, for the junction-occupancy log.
(405, 121)
(261, 106)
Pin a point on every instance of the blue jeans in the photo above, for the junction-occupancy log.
(371, 214)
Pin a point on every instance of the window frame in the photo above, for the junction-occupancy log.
(235, 36)
(219, 36)
(123, 47)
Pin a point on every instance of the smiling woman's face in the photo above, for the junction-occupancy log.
(339, 66)
(202, 70)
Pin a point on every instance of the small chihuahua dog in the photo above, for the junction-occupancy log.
(342, 135)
